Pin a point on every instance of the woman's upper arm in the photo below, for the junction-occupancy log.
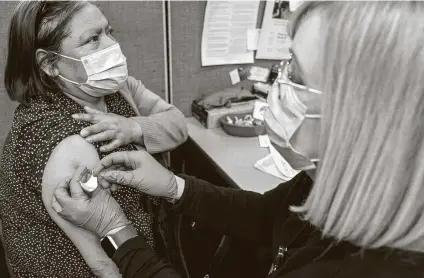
(67, 156)
(147, 102)
(163, 125)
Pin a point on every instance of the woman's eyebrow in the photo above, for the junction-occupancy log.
(95, 30)
(87, 33)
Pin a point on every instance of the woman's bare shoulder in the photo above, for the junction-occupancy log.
(65, 158)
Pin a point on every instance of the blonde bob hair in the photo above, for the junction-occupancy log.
(369, 185)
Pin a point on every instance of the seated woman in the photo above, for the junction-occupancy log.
(62, 57)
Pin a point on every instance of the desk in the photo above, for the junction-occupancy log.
(233, 157)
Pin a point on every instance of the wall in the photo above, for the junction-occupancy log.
(139, 29)
(189, 79)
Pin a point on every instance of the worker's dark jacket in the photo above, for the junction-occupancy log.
(266, 220)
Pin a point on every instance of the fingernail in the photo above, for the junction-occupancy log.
(75, 116)
(57, 207)
(88, 139)
(83, 133)
(83, 175)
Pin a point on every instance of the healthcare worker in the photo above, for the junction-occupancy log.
(349, 102)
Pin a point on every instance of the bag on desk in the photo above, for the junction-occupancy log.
(225, 98)
(209, 109)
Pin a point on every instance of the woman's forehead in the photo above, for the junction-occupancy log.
(87, 19)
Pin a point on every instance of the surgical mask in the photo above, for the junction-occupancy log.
(285, 116)
(106, 71)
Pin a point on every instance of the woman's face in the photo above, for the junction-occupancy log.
(306, 49)
(90, 32)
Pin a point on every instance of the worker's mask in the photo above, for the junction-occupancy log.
(106, 71)
(292, 120)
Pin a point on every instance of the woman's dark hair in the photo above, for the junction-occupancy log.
(35, 25)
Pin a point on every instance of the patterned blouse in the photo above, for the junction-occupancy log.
(35, 245)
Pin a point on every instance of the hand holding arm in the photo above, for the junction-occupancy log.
(230, 211)
(99, 215)
(102, 214)
(159, 127)
(119, 130)
(235, 212)
(67, 156)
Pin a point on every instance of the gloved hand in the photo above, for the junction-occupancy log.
(142, 172)
(99, 215)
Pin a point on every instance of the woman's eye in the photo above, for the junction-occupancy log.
(93, 39)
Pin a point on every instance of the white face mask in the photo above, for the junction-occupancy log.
(106, 71)
(285, 115)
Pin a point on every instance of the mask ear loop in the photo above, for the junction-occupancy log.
(313, 116)
(283, 77)
(64, 56)
(71, 58)
(70, 81)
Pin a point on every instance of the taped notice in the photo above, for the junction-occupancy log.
(224, 36)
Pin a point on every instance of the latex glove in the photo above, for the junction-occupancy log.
(142, 172)
(121, 131)
(98, 214)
